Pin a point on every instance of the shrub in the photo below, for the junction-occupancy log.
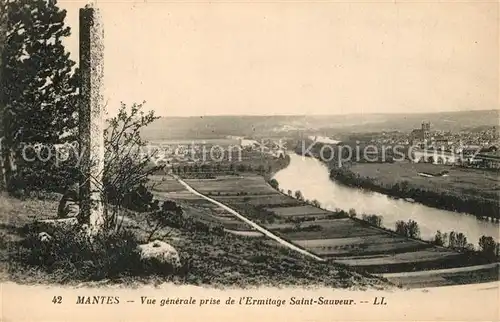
(274, 183)
(316, 203)
(298, 195)
(440, 238)
(74, 256)
(373, 220)
(127, 167)
(409, 229)
(488, 247)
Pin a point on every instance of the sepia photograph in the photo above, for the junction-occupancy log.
(257, 160)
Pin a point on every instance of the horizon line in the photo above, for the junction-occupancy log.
(320, 115)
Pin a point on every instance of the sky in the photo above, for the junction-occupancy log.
(316, 57)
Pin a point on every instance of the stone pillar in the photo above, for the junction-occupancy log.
(91, 118)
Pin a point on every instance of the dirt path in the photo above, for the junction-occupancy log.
(251, 223)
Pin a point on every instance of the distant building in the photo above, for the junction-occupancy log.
(422, 134)
(487, 160)
(248, 143)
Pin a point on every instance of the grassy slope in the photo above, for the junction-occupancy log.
(218, 260)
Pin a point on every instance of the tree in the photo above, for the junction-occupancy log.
(316, 203)
(170, 214)
(126, 166)
(274, 183)
(404, 186)
(39, 87)
(298, 195)
(373, 220)
(401, 227)
(487, 246)
(461, 242)
(452, 240)
(409, 229)
(289, 192)
(439, 238)
(413, 231)
(352, 213)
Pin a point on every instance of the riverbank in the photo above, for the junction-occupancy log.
(462, 190)
(311, 177)
(358, 244)
(330, 235)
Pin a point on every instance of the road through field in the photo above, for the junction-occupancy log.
(251, 223)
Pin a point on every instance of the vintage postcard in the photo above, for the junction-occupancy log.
(249, 160)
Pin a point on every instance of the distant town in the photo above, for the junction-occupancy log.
(466, 148)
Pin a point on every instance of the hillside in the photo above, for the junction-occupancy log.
(277, 125)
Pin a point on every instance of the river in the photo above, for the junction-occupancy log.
(311, 177)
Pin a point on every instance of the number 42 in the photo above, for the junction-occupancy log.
(57, 300)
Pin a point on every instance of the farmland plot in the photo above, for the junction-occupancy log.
(297, 211)
(328, 233)
(409, 257)
(275, 200)
(177, 195)
(329, 229)
(341, 242)
(229, 184)
(166, 184)
(389, 247)
(205, 214)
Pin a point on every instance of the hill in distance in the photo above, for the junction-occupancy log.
(211, 127)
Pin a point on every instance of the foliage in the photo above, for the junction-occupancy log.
(458, 241)
(373, 220)
(475, 205)
(170, 215)
(488, 247)
(298, 195)
(109, 255)
(440, 239)
(316, 203)
(38, 90)
(452, 239)
(461, 241)
(274, 183)
(409, 229)
(140, 199)
(127, 161)
(352, 213)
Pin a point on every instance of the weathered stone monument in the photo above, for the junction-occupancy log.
(91, 118)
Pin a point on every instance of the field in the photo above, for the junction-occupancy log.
(218, 260)
(243, 256)
(460, 181)
(298, 211)
(166, 187)
(231, 185)
(330, 235)
(433, 279)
